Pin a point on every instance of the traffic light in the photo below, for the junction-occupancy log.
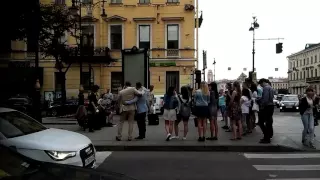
(198, 76)
(279, 48)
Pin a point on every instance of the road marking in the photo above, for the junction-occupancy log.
(281, 156)
(296, 179)
(287, 167)
(101, 156)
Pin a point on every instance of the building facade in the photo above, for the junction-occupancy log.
(279, 83)
(303, 69)
(165, 27)
(210, 76)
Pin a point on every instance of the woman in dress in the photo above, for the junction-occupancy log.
(202, 99)
(184, 112)
(213, 111)
(236, 113)
(170, 113)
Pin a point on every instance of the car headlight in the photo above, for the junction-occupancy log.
(282, 104)
(60, 155)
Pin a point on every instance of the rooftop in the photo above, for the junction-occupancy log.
(308, 47)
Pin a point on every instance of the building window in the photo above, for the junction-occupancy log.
(315, 59)
(62, 2)
(311, 73)
(85, 80)
(173, 36)
(172, 1)
(307, 61)
(316, 73)
(144, 1)
(144, 36)
(87, 35)
(300, 62)
(301, 77)
(116, 1)
(311, 60)
(87, 1)
(116, 37)
(304, 74)
(304, 61)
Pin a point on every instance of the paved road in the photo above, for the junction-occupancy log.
(209, 165)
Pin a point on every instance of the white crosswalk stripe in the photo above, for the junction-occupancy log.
(260, 159)
(101, 156)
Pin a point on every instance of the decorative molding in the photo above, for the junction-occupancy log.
(89, 19)
(144, 19)
(115, 18)
(172, 18)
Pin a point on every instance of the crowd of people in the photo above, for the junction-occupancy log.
(242, 108)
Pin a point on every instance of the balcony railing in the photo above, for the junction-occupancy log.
(173, 53)
(313, 79)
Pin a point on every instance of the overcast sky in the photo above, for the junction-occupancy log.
(226, 37)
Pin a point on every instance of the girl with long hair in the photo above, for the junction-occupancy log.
(255, 106)
(202, 99)
(213, 111)
(235, 114)
(184, 112)
(169, 113)
(245, 102)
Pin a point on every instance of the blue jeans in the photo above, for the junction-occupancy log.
(308, 128)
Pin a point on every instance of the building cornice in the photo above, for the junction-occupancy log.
(304, 51)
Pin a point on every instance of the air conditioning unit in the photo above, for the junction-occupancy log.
(188, 7)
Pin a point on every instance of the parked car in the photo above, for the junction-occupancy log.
(158, 103)
(57, 108)
(289, 102)
(20, 103)
(279, 98)
(30, 138)
(14, 166)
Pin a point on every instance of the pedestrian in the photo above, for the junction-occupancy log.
(266, 109)
(184, 112)
(255, 106)
(202, 99)
(127, 112)
(245, 102)
(222, 105)
(236, 113)
(306, 111)
(170, 113)
(228, 95)
(142, 109)
(213, 111)
(93, 109)
(107, 107)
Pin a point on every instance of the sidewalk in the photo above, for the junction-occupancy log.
(287, 138)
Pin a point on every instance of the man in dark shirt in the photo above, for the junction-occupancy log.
(266, 108)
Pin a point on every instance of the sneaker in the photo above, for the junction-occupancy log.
(174, 137)
(168, 137)
(184, 138)
(312, 146)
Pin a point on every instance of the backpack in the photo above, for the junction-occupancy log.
(185, 108)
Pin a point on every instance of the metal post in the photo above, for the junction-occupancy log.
(204, 74)
(197, 34)
(80, 33)
(214, 71)
(253, 50)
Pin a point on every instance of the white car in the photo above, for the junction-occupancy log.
(32, 139)
(158, 103)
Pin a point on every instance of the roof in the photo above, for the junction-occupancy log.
(307, 48)
(2, 110)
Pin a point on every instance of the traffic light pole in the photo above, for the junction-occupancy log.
(253, 50)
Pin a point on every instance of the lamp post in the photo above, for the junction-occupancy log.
(254, 25)
(214, 69)
(74, 9)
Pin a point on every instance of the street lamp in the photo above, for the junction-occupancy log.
(74, 9)
(214, 69)
(254, 25)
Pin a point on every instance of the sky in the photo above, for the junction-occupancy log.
(225, 34)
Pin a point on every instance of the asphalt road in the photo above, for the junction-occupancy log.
(211, 165)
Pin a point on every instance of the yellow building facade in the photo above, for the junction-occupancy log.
(166, 27)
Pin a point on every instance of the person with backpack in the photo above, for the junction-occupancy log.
(184, 112)
(170, 111)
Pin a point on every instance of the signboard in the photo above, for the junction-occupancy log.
(116, 82)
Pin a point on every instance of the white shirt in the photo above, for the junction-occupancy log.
(245, 105)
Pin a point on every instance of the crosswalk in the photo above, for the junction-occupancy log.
(101, 156)
(306, 166)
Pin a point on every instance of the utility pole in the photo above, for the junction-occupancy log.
(214, 70)
(204, 57)
(197, 34)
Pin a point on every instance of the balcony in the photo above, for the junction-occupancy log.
(313, 79)
(162, 53)
(173, 53)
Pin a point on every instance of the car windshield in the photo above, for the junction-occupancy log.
(290, 98)
(14, 124)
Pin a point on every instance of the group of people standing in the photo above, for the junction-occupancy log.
(238, 107)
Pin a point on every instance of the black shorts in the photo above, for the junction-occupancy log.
(180, 118)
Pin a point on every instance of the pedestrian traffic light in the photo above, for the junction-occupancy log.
(279, 48)
(198, 76)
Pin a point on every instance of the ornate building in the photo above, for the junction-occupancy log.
(210, 76)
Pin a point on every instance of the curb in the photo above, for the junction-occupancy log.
(213, 148)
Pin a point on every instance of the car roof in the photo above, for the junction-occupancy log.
(2, 110)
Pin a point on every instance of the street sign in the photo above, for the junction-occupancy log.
(229, 68)
(204, 57)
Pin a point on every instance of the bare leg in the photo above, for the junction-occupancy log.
(186, 128)
(176, 128)
(166, 126)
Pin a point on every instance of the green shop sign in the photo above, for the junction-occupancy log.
(162, 64)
